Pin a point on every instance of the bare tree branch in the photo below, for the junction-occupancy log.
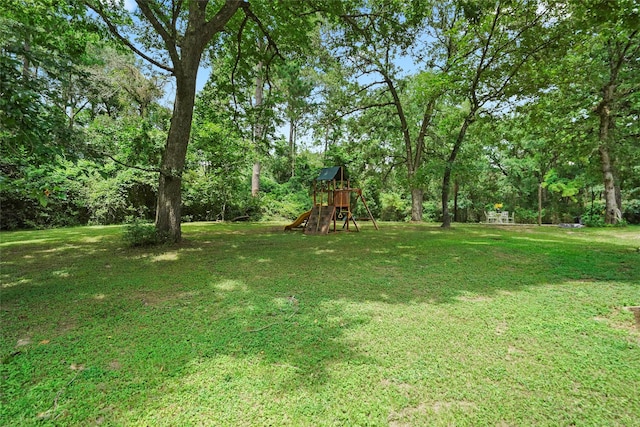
(219, 21)
(169, 41)
(426, 123)
(271, 43)
(369, 86)
(364, 107)
(392, 167)
(114, 30)
(176, 8)
(140, 168)
(235, 68)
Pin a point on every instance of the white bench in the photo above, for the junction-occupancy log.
(500, 217)
(492, 217)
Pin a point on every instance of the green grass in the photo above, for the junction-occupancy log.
(246, 325)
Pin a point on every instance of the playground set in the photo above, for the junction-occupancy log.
(331, 203)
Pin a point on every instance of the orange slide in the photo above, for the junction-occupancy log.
(303, 216)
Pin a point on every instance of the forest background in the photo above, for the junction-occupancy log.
(440, 110)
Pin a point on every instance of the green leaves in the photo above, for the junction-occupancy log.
(43, 48)
(563, 186)
(430, 84)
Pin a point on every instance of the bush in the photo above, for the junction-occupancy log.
(631, 211)
(288, 206)
(431, 211)
(593, 215)
(110, 200)
(527, 216)
(394, 207)
(40, 197)
(141, 233)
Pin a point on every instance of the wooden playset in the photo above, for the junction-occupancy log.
(332, 196)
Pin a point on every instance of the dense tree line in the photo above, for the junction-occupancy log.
(440, 110)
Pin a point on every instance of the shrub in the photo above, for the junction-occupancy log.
(110, 200)
(527, 216)
(593, 215)
(631, 211)
(141, 233)
(288, 206)
(431, 211)
(394, 207)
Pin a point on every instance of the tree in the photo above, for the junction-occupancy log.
(594, 92)
(468, 53)
(532, 152)
(44, 53)
(370, 38)
(240, 89)
(215, 184)
(496, 44)
(613, 38)
(43, 49)
(178, 31)
(296, 88)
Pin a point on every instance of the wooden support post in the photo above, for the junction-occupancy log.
(348, 214)
(334, 221)
(354, 222)
(367, 208)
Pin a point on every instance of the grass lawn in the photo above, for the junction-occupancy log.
(245, 325)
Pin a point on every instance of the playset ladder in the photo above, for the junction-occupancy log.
(320, 219)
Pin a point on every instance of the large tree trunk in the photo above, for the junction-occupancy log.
(613, 214)
(618, 55)
(417, 195)
(618, 190)
(169, 207)
(413, 158)
(255, 179)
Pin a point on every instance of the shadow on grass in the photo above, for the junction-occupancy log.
(149, 320)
